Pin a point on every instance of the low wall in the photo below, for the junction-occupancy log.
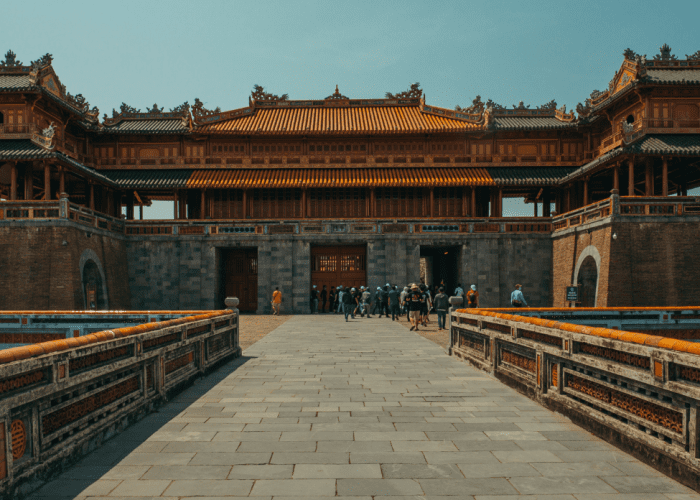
(639, 392)
(61, 399)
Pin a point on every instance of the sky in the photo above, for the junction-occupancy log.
(146, 52)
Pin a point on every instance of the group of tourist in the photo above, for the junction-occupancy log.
(415, 301)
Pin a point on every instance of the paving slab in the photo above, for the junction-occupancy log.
(320, 408)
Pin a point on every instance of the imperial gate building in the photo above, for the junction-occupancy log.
(349, 191)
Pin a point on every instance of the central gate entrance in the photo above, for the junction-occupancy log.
(338, 265)
(241, 277)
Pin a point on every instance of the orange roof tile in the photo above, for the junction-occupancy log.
(323, 120)
(339, 178)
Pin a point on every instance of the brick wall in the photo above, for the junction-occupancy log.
(650, 263)
(566, 251)
(37, 271)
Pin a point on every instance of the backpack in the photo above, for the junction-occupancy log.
(472, 297)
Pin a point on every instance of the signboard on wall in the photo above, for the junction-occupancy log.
(572, 294)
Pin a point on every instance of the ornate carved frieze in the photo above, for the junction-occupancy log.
(477, 107)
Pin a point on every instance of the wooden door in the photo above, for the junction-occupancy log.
(339, 265)
(241, 278)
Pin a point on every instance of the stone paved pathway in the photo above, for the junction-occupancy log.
(323, 408)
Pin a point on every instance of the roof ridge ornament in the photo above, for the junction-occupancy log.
(550, 106)
(45, 137)
(10, 60)
(259, 94)
(43, 61)
(414, 91)
(665, 54)
(199, 111)
(477, 107)
(336, 94)
(693, 57)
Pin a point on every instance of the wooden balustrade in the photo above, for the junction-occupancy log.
(633, 386)
(58, 398)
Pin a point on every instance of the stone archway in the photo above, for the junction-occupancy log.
(586, 275)
(92, 278)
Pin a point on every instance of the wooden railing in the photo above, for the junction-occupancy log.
(58, 397)
(625, 385)
(17, 131)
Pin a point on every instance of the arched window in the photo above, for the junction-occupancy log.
(92, 284)
(588, 280)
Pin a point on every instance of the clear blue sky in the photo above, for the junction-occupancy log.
(160, 52)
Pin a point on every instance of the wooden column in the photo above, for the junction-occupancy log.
(464, 202)
(664, 177)
(616, 177)
(372, 202)
(175, 211)
(203, 206)
(546, 202)
(141, 211)
(47, 182)
(585, 192)
(499, 203)
(130, 206)
(13, 182)
(29, 182)
(535, 204)
(62, 181)
(183, 204)
(630, 178)
(110, 202)
(91, 193)
(303, 204)
(245, 204)
(472, 212)
(649, 178)
(432, 202)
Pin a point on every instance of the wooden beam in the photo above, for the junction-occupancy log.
(616, 177)
(61, 181)
(473, 202)
(649, 178)
(664, 176)
(585, 192)
(92, 196)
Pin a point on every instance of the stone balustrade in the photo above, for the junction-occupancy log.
(641, 392)
(62, 398)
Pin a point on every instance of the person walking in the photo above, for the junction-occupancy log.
(377, 305)
(402, 299)
(384, 297)
(473, 298)
(415, 302)
(276, 301)
(459, 291)
(393, 298)
(324, 299)
(314, 300)
(425, 305)
(331, 300)
(339, 296)
(366, 298)
(517, 299)
(348, 305)
(442, 304)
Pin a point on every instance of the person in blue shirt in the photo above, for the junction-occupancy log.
(516, 298)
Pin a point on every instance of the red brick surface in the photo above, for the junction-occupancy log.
(39, 272)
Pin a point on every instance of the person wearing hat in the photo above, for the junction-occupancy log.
(516, 298)
(415, 302)
(473, 298)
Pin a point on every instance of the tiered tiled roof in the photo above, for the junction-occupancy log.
(251, 178)
(25, 149)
